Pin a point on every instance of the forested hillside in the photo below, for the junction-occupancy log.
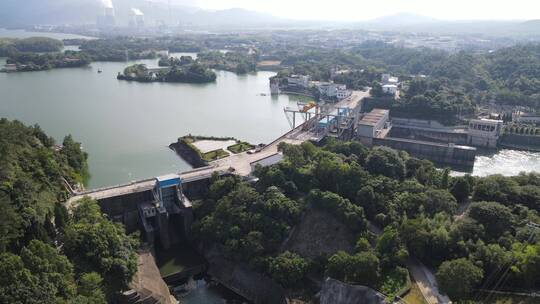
(473, 230)
(46, 254)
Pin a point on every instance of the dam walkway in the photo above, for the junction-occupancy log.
(239, 164)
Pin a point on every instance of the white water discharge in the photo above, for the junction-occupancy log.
(507, 162)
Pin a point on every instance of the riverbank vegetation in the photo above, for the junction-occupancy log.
(46, 254)
(413, 206)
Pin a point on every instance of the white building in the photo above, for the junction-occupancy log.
(389, 79)
(371, 125)
(331, 90)
(343, 93)
(390, 89)
(484, 132)
(300, 81)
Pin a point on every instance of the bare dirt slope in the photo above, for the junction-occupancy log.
(319, 233)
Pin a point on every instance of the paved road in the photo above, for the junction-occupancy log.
(426, 282)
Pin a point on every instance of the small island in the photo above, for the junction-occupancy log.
(188, 73)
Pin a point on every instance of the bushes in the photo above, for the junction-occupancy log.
(361, 268)
(287, 268)
(458, 277)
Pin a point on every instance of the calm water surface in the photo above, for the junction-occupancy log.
(127, 126)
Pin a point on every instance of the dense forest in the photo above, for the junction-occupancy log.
(237, 62)
(473, 230)
(32, 44)
(435, 84)
(47, 254)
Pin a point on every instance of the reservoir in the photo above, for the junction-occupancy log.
(126, 127)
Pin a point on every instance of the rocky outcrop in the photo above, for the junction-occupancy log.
(334, 291)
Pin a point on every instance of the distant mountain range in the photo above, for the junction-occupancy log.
(14, 13)
(403, 19)
(59, 12)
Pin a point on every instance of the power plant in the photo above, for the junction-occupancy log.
(137, 18)
(107, 16)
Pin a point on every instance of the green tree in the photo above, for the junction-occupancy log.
(461, 189)
(458, 277)
(288, 268)
(495, 217)
(385, 161)
(440, 201)
(90, 289)
(361, 268)
(95, 244)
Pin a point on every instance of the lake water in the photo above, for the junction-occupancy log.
(126, 127)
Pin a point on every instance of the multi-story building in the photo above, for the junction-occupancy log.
(299, 81)
(333, 90)
(484, 132)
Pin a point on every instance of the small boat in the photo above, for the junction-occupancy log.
(99, 71)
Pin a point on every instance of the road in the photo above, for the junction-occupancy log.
(425, 279)
(426, 282)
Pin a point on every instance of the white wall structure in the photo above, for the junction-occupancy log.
(301, 81)
(484, 132)
(390, 89)
(526, 118)
(371, 124)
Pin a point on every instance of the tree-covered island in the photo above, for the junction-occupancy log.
(187, 73)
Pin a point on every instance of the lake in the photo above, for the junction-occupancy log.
(126, 127)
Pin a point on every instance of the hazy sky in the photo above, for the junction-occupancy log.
(363, 10)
